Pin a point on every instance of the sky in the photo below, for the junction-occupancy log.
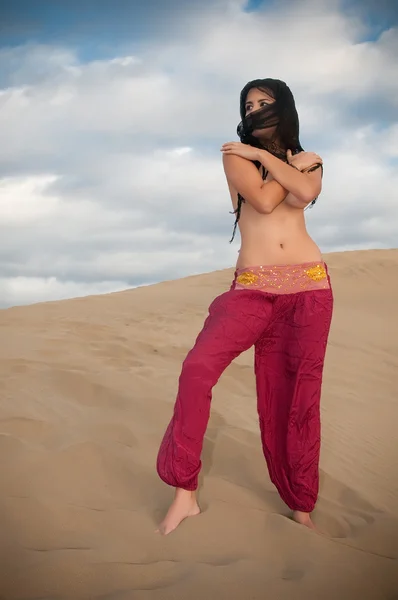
(112, 114)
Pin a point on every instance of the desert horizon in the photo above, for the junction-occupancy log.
(327, 256)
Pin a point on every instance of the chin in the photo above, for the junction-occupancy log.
(261, 135)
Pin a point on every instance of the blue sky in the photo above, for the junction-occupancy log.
(100, 22)
(115, 112)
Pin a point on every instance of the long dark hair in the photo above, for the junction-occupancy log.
(284, 116)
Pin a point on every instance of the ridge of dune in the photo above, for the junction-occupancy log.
(87, 387)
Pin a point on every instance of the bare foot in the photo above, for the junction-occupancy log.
(304, 519)
(184, 505)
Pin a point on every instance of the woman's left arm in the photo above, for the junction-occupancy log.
(304, 186)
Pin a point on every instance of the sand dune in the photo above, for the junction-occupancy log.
(87, 387)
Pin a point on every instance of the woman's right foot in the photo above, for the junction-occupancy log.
(303, 518)
(184, 505)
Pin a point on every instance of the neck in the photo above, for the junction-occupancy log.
(274, 147)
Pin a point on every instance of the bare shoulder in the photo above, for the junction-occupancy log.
(236, 167)
(231, 161)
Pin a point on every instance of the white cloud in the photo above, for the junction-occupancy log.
(28, 290)
(22, 200)
(56, 245)
(112, 171)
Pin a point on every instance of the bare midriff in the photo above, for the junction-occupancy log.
(278, 238)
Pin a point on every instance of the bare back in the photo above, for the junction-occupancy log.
(277, 238)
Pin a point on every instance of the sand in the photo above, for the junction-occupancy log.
(87, 387)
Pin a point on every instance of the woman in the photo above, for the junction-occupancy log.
(280, 301)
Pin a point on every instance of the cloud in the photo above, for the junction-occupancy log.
(112, 173)
(29, 290)
(65, 242)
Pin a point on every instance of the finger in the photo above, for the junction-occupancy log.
(314, 157)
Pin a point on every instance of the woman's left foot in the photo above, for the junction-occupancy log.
(304, 519)
(184, 505)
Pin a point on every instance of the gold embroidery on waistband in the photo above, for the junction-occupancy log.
(284, 277)
(316, 273)
(247, 278)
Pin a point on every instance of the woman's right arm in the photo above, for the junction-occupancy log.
(243, 175)
(265, 196)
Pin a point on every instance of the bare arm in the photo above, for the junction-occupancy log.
(303, 186)
(264, 196)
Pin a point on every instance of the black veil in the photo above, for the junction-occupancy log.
(281, 114)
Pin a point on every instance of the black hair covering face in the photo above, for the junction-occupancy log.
(281, 113)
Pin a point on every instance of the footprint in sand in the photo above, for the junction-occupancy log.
(342, 525)
(353, 521)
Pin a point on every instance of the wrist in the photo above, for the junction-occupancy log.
(262, 157)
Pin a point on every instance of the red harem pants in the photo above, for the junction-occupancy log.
(285, 312)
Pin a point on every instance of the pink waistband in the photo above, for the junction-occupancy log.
(283, 279)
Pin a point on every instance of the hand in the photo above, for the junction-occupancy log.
(243, 150)
(303, 160)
